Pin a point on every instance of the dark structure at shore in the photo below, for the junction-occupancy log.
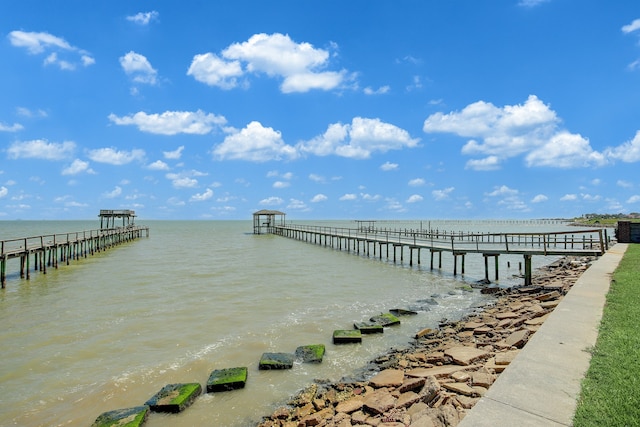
(628, 232)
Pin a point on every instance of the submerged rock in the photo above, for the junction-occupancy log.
(402, 312)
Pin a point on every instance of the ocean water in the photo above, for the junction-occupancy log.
(110, 330)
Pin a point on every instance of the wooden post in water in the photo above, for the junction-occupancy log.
(486, 265)
(455, 262)
(527, 270)
(3, 271)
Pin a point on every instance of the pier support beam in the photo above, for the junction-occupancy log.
(439, 257)
(527, 270)
(3, 272)
(455, 262)
(486, 265)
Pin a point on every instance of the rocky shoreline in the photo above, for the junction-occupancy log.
(443, 372)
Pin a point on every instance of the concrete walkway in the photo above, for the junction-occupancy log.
(542, 385)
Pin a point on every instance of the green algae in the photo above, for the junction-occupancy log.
(369, 328)
(342, 336)
(129, 417)
(385, 319)
(276, 361)
(174, 397)
(311, 353)
(227, 379)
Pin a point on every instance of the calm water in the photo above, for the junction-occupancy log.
(109, 331)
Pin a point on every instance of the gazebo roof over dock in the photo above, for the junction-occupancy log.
(108, 217)
(264, 220)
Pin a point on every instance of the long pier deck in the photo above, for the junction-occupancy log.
(579, 243)
(50, 249)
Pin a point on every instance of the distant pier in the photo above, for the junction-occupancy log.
(368, 239)
(49, 250)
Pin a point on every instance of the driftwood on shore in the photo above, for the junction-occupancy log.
(439, 376)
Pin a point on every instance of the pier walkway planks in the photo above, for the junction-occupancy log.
(565, 243)
(47, 250)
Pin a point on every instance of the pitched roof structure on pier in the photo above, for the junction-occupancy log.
(264, 220)
(108, 217)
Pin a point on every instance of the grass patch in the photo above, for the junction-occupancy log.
(609, 395)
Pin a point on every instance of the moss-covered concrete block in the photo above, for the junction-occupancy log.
(227, 379)
(276, 361)
(345, 336)
(311, 353)
(129, 417)
(174, 398)
(385, 319)
(369, 328)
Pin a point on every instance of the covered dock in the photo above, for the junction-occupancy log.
(265, 221)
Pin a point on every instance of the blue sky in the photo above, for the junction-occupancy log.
(357, 109)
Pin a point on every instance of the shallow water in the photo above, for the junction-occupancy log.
(109, 331)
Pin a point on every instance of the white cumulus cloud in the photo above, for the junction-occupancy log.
(500, 133)
(271, 201)
(175, 154)
(634, 26)
(53, 47)
(255, 143)
(359, 140)
(143, 18)
(201, 197)
(158, 165)
(115, 157)
(77, 167)
(114, 193)
(388, 166)
(442, 194)
(628, 152)
(172, 122)
(301, 66)
(41, 149)
(139, 68)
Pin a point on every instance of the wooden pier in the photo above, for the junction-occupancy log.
(370, 240)
(51, 249)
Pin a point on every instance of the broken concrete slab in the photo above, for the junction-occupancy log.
(129, 417)
(465, 355)
(518, 338)
(385, 319)
(369, 328)
(174, 398)
(388, 378)
(344, 336)
(461, 388)
(227, 379)
(276, 361)
(313, 353)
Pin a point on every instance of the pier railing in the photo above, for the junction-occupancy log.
(562, 243)
(49, 249)
(578, 242)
